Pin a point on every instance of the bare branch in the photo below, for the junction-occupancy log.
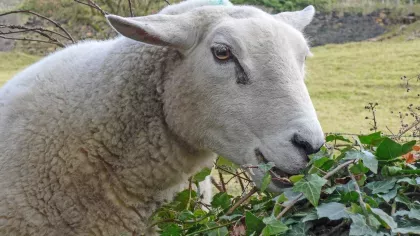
(167, 2)
(131, 8)
(93, 5)
(43, 17)
(34, 40)
(240, 201)
(28, 29)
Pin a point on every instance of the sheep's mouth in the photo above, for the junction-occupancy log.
(278, 177)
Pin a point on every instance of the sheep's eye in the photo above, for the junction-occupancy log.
(222, 53)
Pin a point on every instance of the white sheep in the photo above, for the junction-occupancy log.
(97, 136)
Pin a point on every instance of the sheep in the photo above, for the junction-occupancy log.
(95, 137)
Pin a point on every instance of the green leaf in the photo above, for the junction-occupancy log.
(296, 178)
(264, 167)
(273, 226)
(310, 216)
(414, 213)
(221, 200)
(185, 215)
(359, 168)
(333, 137)
(368, 159)
(381, 186)
(278, 200)
(266, 181)
(408, 180)
(351, 196)
(359, 226)
(408, 147)
(253, 224)
(371, 139)
(390, 195)
(171, 230)
(332, 210)
(200, 176)
(183, 198)
(222, 231)
(310, 187)
(384, 218)
(404, 200)
(221, 161)
(298, 229)
(388, 149)
(408, 230)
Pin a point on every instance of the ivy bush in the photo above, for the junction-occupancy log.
(365, 186)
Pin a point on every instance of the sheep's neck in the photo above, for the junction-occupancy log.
(141, 162)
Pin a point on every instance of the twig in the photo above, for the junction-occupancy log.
(34, 40)
(361, 202)
(131, 8)
(24, 29)
(217, 185)
(167, 2)
(209, 229)
(222, 181)
(243, 199)
(327, 176)
(230, 172)
(292, 203)
(240, 181)
(92, 4)
(43, 17)
(414, 124)
(334, 230)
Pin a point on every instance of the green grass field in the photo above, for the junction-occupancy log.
(341, 79)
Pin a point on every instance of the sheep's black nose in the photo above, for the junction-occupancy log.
(309, 147)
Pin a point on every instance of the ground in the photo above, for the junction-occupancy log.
(341, 79)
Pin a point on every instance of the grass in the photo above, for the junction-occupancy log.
(13, 62)
(341, 79)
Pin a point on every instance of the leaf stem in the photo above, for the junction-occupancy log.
(243, 199)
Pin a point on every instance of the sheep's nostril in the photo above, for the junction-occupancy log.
(300, 142)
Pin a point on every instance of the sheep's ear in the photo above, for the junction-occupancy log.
(297, 19)
(161, 30)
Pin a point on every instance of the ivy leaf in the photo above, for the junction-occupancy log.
(266, 181)
(222, 231)
(278, 200)
(371, 139)
(273, 226)
(332, 210)
(414, 213)
(359, 226)
(369, 160)
(296, 178)
(333, 137)
(408, 230)
(408, 147)
(310, 187)
(185, 215)
(221, 200)
(384, 218)
(298, 229)
(265, 167)
(221, 161)
(171, 230)
(183, 198)
(311, 216)
(408, 180)
(230, 217)
(381, 186)
(200, 176)
(253, 224)
(388, 196)
(389, 149)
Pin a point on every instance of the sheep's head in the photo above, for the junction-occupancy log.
(239, 88)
